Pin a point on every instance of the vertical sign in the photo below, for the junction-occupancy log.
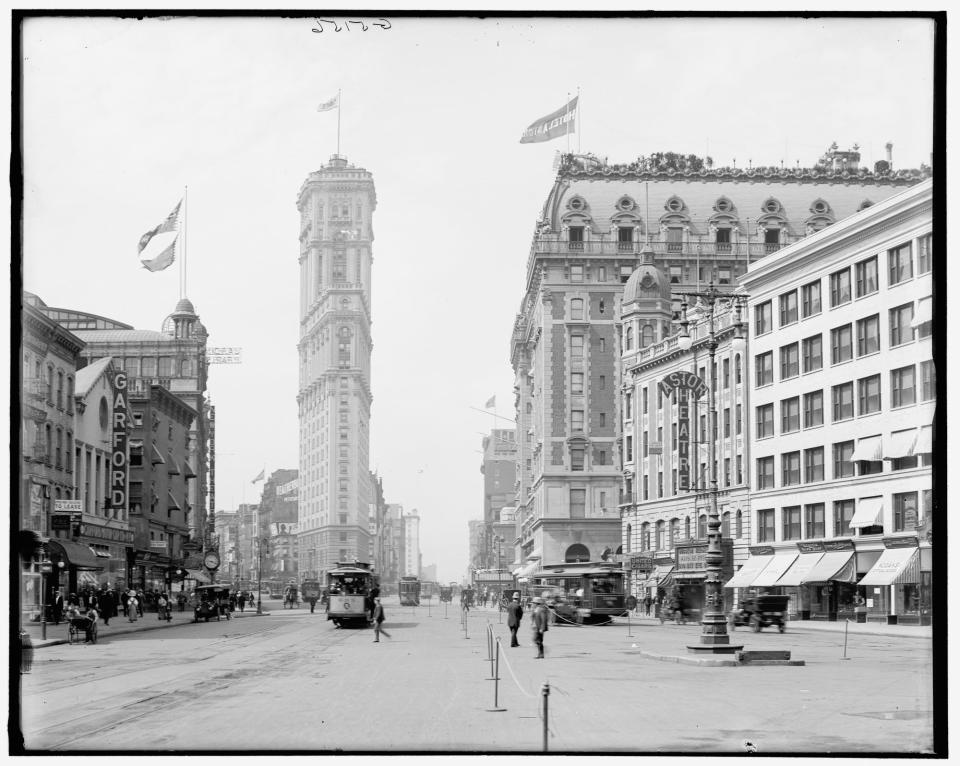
(118, 459)
(687, 386)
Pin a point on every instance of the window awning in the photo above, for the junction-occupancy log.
(834, 565)
(801, 567)
(895, 565)
(188, 471)
(751, 568)
(924, 312)
(199, 575)
(172, 501)
(869, 512)
(657, 576)
(868, 448)
(528, 569)
(75, 554)
(900, 444)
(924, 445)
(155, 457)
(775, 569)
(173, 469)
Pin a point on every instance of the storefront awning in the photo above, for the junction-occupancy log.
(775, 569)
(869, 512)
(801, 567)
(869, 448)
(657, 577)
(900, 444)
(835, 565)
(924, 445)
(76, 555)
(199, 575)
(895, 565)
(751, 568)
(528, 569)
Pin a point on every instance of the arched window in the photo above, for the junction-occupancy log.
(59, 389)
(739, 529)
(70, 394)
(629, 338)
(646, 336)
(686, 527)
(629, 536)
(660, 531)
(576, 308)
(725, 524)
(645, 536)
(576, 552)
(674, 532)
(49, 384)
(702, 526)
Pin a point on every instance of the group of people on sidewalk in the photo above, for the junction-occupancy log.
(540, 621)
(108, 603)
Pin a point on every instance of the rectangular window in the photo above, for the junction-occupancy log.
(868, 394)
(791, 522)
(842, 402)
(646, 398)
(576, 237)
(763, 317)
(788, 308)
(866, 275)
(726, 472)
(765, 472)
(576, 420)
(812, 353)
(842, 516)
(764, 369)
(603, 382)
(908, 461)
(603, 419)
(723, 275)
(674, 239)
(629, 449)
(676, 275)
(602, 274)
(813, 464)
(900, 260)
(842, 462)
(928, 382)
(726, 372)
(904, 511)
(813, 409)
(149, 367)
(839, 288)
(576, 308)
(868, 335)
(815, 521)
(576, 346)
(603, 345)
(790, 465)
(789, 361)
(900, 329)
(766, 532)
(726, 422)
(841, 344)
(576, 458)
(810, 299)
(578, 502)
(903, 387)
(924, 254)
(739, 419)
(739, 469)
(790, 415)
(576, 382)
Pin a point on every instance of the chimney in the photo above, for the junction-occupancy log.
(889, 148)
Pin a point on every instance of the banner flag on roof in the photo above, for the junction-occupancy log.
(333, 103)
(558, 123)
(491, 402)
(165, 257)
(259, 476)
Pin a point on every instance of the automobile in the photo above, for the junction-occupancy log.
(760, 612)
(211, 601)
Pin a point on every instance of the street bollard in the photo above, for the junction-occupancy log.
(496, 686)
(428, 608)
(545, 691)
(466, 628)
(846, 625)
(628, 624)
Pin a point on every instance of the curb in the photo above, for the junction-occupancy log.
(715, 663)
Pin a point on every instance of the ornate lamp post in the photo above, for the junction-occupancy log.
(260, 543)
(713, 634)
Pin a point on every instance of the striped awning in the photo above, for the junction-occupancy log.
(800, 569)
(869, 512)
(869, 448)
(775, 569)
(895, 566)
(751, 568)
(900, 444)
(834, 565)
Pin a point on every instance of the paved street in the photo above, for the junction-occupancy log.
(291, 681)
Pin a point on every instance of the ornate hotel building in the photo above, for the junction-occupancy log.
(336, 205)
(702, 224)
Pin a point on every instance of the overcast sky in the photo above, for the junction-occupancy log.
(120, 115)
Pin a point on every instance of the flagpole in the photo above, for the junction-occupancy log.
(567, 121)
(338, 122)
(183, 255)
(580, 130)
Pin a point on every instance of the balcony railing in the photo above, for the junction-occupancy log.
(691, 248)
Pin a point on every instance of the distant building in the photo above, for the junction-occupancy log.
(429, 573)
(277, 523)
(410, 533)
(336, 205)
(227, 529)
(392, 535)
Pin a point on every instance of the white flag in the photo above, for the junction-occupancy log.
(150, 259)
(333, 103)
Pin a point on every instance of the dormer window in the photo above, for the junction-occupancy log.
(771, 206)
(576, 238)
(625, 238)
(674, 205)
(674, 239)
(723, 240)
(577, 203)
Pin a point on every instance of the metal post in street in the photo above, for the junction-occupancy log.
(259, 573)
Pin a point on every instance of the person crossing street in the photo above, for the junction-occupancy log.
(514, 615)
(540, 620)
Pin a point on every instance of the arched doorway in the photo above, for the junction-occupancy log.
(576, 552)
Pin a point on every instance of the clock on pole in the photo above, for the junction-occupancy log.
(211, 560)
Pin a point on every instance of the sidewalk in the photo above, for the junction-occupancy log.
(57, 634)
(800, 626)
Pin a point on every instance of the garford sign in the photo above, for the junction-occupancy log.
(118, 457)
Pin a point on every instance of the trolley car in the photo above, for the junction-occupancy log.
(582, 592)
(349, 587)
(409, 589)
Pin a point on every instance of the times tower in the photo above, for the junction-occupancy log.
(336, 205)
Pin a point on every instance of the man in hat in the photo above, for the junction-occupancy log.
(540, 620)
(514, 615)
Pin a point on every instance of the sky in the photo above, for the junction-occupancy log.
(120, 116)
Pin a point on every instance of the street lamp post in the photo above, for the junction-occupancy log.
(259, 572)
(713, 635)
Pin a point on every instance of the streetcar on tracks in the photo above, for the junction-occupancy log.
(581, 592)
(349, 587)
(409, 589)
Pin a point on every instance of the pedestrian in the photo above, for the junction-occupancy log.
(540, 620)
(161, 607)
(378, 617)
(242, 600)
(57, 608)
(92, 617)
(514, 615)
(108, 606)
(313, 602)
(133, 607)
(140, 599)
(72, 600)
(92, 601)
(181, 601)
(646, 604)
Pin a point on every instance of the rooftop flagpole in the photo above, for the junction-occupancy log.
(567, 121)
(579, 119)
(338, 121)
(183, 254)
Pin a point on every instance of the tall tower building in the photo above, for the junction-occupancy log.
(336, 205)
